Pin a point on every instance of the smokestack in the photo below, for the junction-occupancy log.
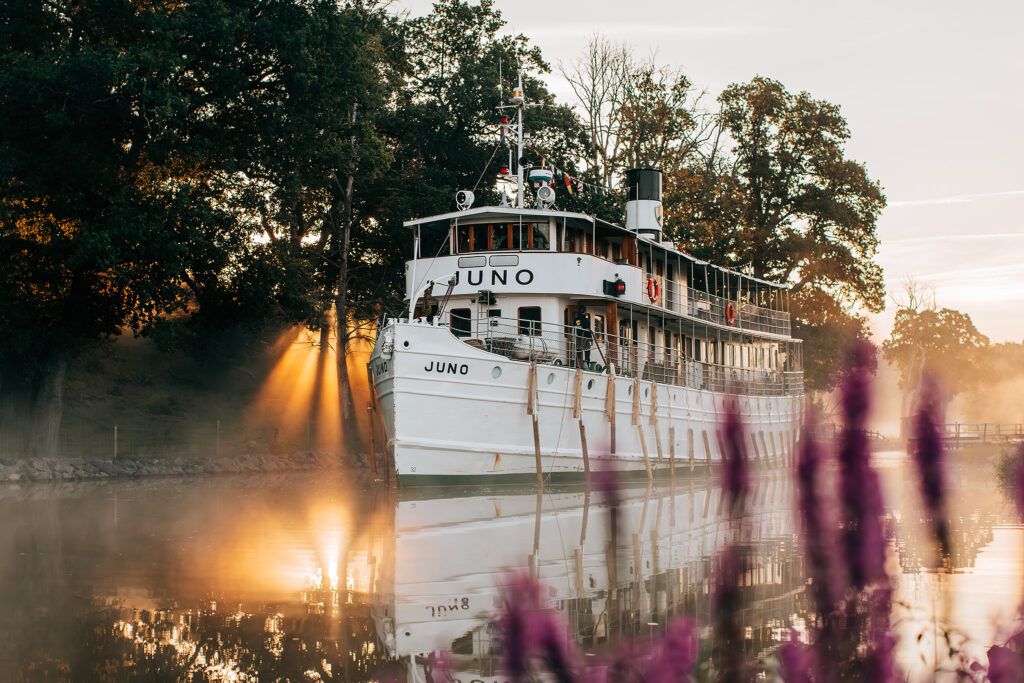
(643, 202)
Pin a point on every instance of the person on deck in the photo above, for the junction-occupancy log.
(582, 336)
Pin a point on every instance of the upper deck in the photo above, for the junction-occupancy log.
(508, 250)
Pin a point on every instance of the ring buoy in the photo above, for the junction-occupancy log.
(652, 289)
(730, 313)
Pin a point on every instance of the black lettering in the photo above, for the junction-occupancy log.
(430, 367)
(465, 603)
(524, 277)
(499, 275)
(464, 369)
(479, 279)
(456, 279)
(452, 368)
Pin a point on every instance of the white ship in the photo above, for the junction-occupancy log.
(543, 342)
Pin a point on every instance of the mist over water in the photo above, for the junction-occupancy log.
(237, 577)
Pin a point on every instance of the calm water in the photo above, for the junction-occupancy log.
(301, 578)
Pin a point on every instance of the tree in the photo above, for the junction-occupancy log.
(148, 148)
(806, 215)
(939, 342)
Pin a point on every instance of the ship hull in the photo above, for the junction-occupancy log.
(450, 409)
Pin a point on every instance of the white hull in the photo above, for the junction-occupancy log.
(470, 417)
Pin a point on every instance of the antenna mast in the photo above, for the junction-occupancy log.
(519, 101)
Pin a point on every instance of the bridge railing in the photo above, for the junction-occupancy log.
(983, 432)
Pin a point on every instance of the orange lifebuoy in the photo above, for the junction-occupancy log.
(730, 313)
(652, 289)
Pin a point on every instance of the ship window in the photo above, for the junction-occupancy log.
(505, 260)
(472, 261)
(460, 322)
(500, 236)
(539, 236)
(462, 238)
(480, 238)
(529, 320)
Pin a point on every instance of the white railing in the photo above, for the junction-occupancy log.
(553, 344)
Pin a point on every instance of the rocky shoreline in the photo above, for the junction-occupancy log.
(83, 469)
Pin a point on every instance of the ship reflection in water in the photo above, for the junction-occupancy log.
(300, 578)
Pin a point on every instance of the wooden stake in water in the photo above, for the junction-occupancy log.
(115, 442)
(586, 456)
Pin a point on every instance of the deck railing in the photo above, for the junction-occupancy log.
(744, 315)
(553, 344)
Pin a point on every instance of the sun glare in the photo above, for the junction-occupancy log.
(299, 404)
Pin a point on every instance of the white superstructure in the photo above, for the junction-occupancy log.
(532, 329)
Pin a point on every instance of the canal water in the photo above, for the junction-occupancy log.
(300, 577)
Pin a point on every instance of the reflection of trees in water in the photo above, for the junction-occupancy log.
(115, 641)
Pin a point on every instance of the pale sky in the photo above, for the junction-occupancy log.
(933, 93)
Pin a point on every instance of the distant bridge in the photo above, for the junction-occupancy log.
(964, 433)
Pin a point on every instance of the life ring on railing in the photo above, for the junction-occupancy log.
(730, 313)
(653, 290)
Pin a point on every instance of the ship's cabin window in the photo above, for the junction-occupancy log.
(503, 237)
(529, 320)
(460, 322)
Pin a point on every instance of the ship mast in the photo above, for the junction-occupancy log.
(518, 101)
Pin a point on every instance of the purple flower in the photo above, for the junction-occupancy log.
(676, 655)
(1004, 665)
(817, 520)
(880, 667)
(927, 452)
(735, 477)
(518, 623)
(729, 652)
(796, 661)
(529, 630)
(439, 667)
(860, 492)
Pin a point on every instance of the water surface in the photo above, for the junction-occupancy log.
(302, 578)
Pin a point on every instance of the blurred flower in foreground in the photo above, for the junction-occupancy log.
(927, 452)
(860, 491)
(529, 631)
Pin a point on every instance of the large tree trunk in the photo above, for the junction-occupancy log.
(349, 426)
(48, 405)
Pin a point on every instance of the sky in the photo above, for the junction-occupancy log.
(933, 93)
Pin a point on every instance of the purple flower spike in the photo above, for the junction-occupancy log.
(927, 452)
(1004, 665)
(880, 666)
(796, 661)
(518, 623)
(818, 523)
(729, 653)
(439, 667)
(676, 655)
(860, 492)
(554, 645)
(735, 476)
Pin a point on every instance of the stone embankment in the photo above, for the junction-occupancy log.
(78, 469)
